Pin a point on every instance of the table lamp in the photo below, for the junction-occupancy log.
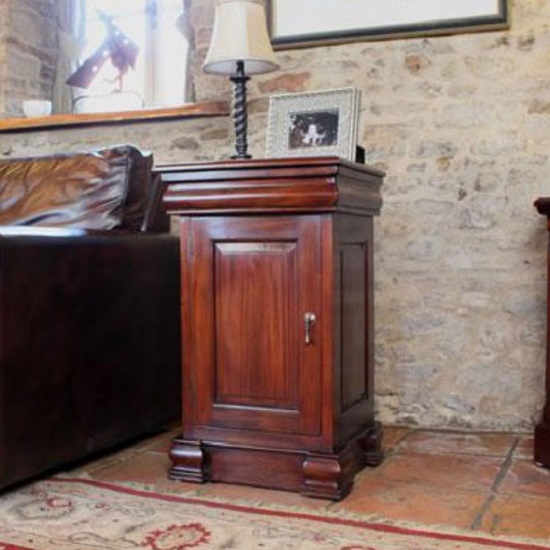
(240, 47)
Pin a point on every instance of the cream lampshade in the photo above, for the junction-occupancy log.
(240, 47)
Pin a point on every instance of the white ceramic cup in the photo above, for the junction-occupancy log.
(37, 107)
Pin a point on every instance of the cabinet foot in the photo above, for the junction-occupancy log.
(371, 445)
(328, 476)
(189, 462)
(542, 444)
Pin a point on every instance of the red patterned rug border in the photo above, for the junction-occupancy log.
(394, 529)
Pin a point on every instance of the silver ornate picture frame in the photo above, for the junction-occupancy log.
(314, 124)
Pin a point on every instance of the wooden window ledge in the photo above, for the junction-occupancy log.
(191, 110)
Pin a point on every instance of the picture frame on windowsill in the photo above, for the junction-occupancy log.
(317, 123)
(305, 23)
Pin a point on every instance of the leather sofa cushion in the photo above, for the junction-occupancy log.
(140, 188)
(105, 189)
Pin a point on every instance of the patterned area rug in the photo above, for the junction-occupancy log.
(80, 514)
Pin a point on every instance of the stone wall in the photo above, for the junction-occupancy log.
(461, 125)
(187, 140)
(3, 56)
(31, 43)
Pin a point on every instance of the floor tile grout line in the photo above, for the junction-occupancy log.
(504, 469)
(397, 443)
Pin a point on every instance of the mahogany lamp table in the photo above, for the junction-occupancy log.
(277, 317)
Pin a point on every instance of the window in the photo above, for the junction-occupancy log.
(158, 77)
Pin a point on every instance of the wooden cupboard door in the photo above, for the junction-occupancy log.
(252, 366)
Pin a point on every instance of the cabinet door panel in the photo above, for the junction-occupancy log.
(256, 282)
(256, 279)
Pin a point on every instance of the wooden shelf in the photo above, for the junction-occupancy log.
(191, 110)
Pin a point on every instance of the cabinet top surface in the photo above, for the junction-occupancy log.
(329, 162)
(312, 184)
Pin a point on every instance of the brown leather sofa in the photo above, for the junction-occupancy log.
(89, 308)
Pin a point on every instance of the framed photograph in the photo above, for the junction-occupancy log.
(314, 124)
(300, 23)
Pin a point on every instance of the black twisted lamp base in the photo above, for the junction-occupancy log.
(239, 112)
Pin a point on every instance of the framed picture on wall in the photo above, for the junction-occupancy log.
(314, 124)
(300, 23)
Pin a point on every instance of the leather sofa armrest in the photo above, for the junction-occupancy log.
(89, 342)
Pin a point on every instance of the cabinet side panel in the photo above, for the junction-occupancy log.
(255, 296)
(354, 284)
(354, 353)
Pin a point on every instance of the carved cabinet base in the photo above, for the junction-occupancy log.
(277, 316)
(319, 475)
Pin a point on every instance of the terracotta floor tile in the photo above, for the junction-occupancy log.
(412, 502)
(159, 443)
(393, 435)
(518, 515)
(448, 471)
(162, 440)
(525, 477)
(489, 444)
(104, 461)
(142, 468)
(525, 447)
(162, 445)
(147, 468)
